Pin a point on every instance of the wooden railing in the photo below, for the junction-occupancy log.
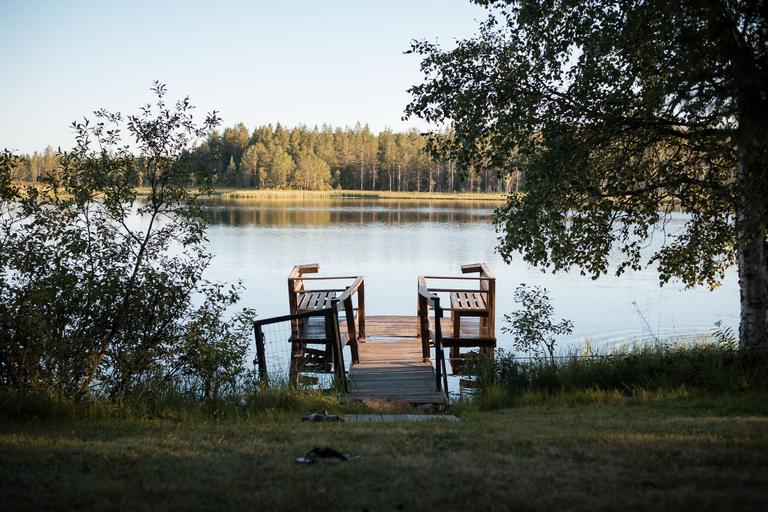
(430, 330)
(478, 302)
(327, 332)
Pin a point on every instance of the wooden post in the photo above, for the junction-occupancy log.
(361, 311)
(350, 315)
(423, 316)
(261, 359)
(439, 356)
(332, 318)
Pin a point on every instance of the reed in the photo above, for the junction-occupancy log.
(356, 194)
(178, 402)
(634, 369)
(631, 370)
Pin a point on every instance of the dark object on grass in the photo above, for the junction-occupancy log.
(326, 454)
(314, 415)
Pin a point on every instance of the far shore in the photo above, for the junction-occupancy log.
(235, 193)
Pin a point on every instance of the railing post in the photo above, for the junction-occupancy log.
(439, 356)
(361, 310)
(350, 316)
(261, 358)
(332, 317)
(422, 312)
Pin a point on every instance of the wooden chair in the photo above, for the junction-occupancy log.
(473, 313)
(303, 298)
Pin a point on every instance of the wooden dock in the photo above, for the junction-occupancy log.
(391, 364)
(390, 359)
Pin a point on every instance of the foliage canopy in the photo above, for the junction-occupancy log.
(616, 111)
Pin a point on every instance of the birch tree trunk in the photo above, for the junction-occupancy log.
(752, 251)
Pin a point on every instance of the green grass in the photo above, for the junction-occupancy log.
(672, 452)
(673, 426)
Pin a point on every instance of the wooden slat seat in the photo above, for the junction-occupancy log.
(307, 301)
(470, 303)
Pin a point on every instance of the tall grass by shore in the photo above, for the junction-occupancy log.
(355, 194)
(635, 371)
(631, 370)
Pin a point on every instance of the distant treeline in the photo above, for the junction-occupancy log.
(273, 157)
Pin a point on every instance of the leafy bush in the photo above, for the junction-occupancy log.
(532, 328)
(98, 290)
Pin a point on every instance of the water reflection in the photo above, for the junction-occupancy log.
(391, 243)
(333, 212)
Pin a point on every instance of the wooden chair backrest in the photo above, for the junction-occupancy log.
(296, 283)
(487, 283)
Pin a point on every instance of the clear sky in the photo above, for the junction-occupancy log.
(256, 62)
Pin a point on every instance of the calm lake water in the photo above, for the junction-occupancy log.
(393, 242)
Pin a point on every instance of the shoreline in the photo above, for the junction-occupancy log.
(234, 193)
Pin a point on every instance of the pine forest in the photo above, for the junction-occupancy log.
(273, 157)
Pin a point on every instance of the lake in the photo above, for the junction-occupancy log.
(391, 242)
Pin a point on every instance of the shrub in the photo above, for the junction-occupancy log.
(532, 328)
(98, 291)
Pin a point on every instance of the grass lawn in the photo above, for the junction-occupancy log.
(686, 453)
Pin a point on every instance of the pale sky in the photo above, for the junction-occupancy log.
(256, 62)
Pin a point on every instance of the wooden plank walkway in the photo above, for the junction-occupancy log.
(391, 364)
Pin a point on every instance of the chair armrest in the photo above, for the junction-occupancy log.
(352, 289)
